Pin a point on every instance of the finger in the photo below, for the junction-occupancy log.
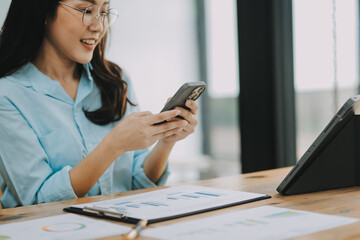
(188, 116)
(144, 114)
(177, 118)
(188, 129)
(168, 133)
(193, 106)
(170, 125)
(163, 116)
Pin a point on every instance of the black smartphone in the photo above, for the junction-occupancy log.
(188, 91)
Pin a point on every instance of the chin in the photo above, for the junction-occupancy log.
(84, 60)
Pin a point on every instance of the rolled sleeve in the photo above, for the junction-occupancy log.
(140, 180)
(61, 182)
(24, 167)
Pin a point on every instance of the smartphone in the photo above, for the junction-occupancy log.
(188, 91)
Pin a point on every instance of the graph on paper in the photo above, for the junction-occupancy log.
(65, 226)
(265, 222)
(167, 200)
(173, 201)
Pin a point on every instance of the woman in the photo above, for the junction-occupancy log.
(69, 124)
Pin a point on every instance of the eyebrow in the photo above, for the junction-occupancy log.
(94, 2)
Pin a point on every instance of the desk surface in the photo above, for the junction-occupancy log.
(341, 202)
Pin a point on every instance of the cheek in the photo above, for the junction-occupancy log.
(65, 33)
(102, 35)
(65, 36)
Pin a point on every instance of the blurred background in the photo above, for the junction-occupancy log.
(296, 59)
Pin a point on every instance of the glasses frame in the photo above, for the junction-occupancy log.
(100, 15)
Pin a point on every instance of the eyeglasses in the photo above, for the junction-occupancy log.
(93, 13)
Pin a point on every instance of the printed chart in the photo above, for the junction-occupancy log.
(66, 226)
(167, 200)
(257, 223)
(173, 201)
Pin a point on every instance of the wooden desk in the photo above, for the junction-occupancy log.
(341, 202)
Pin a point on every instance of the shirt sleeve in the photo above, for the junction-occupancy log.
(24, 165)
(140, 180)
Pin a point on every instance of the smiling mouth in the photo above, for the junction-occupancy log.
(88, 41)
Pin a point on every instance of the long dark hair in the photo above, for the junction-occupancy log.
(21, 37)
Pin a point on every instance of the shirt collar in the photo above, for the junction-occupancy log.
(88, 68)
(41, 82)
(30, 76)
(86, 83)
(21, 76)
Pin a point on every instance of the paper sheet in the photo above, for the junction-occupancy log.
(257, 223)
(66, 226)
(172, 201)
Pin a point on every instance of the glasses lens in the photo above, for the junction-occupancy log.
(90, 14)
(112, 15)
(93, 14)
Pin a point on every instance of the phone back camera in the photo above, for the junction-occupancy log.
(196, 93)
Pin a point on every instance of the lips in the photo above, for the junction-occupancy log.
(89, 43)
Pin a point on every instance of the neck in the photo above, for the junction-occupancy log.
(53, 64)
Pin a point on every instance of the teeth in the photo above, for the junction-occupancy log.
(90, 42)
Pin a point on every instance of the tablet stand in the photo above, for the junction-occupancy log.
(336, 166)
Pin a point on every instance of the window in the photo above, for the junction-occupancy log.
(223, 90)
(325, 50)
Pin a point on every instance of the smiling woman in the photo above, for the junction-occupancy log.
(69, 124)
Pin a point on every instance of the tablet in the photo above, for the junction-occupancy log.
(332, 161)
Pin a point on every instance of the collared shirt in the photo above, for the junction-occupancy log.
(44, 133)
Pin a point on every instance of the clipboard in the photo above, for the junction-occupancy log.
(165, 204)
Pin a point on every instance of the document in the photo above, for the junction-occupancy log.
(265, 222)
(168, 203)
(66, 226)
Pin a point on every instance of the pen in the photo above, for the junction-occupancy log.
(136, 230)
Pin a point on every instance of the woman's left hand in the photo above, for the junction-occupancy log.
(190, 117)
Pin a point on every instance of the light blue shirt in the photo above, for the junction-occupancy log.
(44, 133)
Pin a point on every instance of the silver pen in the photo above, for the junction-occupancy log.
(136, 230)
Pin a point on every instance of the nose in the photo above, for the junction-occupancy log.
(98, 24)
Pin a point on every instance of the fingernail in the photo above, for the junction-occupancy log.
(177, 112)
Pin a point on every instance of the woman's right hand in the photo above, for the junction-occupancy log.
(138, 130)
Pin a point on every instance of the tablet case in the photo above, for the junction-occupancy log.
(333, 160)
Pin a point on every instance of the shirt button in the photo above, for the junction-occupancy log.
(105, 184)
(90, 146)
(77, 109)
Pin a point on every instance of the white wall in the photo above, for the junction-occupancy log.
(4, 6)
